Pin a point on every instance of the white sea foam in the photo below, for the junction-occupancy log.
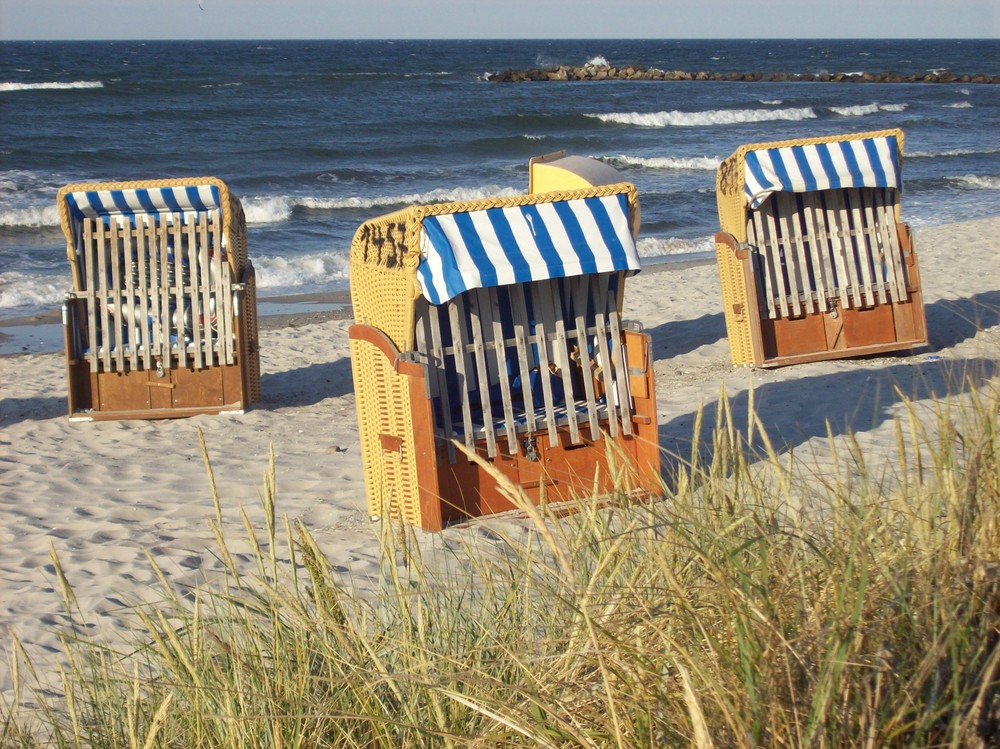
(270, 210)
(694, 163)
(600, 61)
(267, 210)
(31, 292)
(13, 86)
(708, 117)
(950, 152)
(861, 110)
(663, 246)
(234, 84)
(959, 105)
(309, 270)
(31, 217)
(978, 182)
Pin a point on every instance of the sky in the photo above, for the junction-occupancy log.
(497, 19)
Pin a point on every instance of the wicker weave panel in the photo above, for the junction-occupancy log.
(382, 400)
(251, 349)
(383, 285)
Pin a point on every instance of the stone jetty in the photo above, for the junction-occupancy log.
(641, 73)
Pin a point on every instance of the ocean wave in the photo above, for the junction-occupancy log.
(31, 292)
(270, 210)
(663, 246)
(978, 182)
(694, 163)
(234, 84)
(600, 61)
(276, 209)
(26, 293)
(861, 110)
(13, 86)
(33, 217)
(275, 272)
(951, 152)
(708, 117)
(959, 105)
(267, 210)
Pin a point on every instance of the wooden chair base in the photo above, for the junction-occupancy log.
(168, 393)
(428, 482)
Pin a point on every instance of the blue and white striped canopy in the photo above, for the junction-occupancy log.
(130, 202)
(516, 244)
(864, 162)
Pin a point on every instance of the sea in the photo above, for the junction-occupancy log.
(316, 137)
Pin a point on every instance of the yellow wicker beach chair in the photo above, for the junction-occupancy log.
(813, 258)
(162, 318)
(495, 325)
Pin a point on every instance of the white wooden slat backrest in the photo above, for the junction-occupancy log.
(814, 250)
(526, 358)
(156, 288)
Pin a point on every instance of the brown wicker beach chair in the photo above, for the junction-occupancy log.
(495, 326)
(162, 318)
(813, 259)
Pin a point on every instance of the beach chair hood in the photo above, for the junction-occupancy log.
(138, 201)
(868, 162)
(503, 245)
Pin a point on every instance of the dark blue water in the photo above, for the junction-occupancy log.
(317, 137)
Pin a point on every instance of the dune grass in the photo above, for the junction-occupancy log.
(759, 603)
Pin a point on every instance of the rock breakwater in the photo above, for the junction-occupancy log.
(641, 73)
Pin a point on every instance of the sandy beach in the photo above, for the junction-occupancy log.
(103, 495)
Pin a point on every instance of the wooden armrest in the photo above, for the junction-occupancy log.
(383, 343)
(740, 249)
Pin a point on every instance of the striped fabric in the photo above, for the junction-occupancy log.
(102, 204)
(516, 244)
(867, 162)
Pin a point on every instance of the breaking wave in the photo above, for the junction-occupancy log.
(978, 182)
(860, 110)
(32, 292)
(693, 163)
(11, 86)
(709, 117)
(317, 269)
(650, 247)
(33, 217)
(271, 210)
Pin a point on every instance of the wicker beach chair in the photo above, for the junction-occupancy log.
(162, 320)
(495, 325)
(813, 259)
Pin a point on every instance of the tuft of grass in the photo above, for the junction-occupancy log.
(757, 603)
